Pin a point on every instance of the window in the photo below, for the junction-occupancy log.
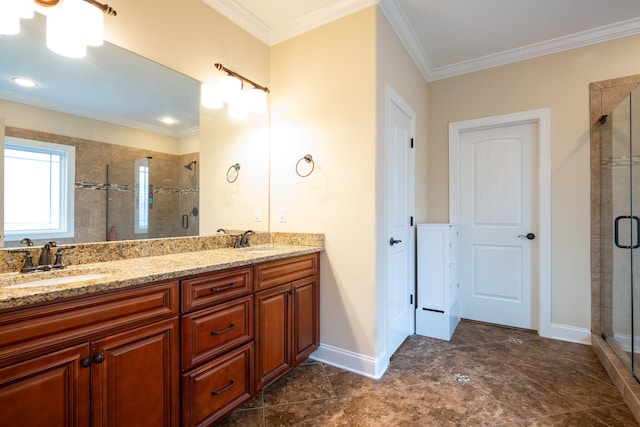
(39, 189)
(144, 196)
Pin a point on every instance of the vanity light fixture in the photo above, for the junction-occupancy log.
(24, 82)
(229, 89)
(72, 25)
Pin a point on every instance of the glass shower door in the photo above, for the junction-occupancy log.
(616, 229)
(634, 228)
(620, 195)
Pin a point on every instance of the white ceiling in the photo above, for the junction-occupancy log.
(452, 37)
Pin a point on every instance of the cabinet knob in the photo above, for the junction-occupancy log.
(99, 358)
(86, 362)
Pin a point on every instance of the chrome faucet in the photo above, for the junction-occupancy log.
(45, 255)
(243, 240)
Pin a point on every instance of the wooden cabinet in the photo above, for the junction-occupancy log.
(217, 345)
(51, 390)
(103, 360)
(134, 377)
(287, 316)
(173, 353)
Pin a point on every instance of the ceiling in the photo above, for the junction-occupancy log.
(446, 38)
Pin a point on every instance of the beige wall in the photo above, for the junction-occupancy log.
(561, 82)
(188, 36)
(323, 103)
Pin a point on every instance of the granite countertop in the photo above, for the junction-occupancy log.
(18, 289)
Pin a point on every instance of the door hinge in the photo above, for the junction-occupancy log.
(411, 221)
(411, 142)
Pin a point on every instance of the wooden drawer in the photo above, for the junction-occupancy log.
(42, 328)
(210, 332)
(276, 273)
(215, 389)
(213, 288)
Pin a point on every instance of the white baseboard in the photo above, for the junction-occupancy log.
(353, 362)
(570, 334)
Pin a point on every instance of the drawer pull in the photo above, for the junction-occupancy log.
(224, 330)
(222, 390)
(229, 286)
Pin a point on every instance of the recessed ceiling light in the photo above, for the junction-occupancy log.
(24, 82)
(168, 120)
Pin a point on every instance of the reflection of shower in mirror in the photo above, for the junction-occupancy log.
(190, 165)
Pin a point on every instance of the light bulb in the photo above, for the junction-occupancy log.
(210, 96)
(230, 87)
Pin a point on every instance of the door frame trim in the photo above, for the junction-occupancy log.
(542, 118)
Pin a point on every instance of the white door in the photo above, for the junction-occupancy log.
(498, 214)
(399, 239)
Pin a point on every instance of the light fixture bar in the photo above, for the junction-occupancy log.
(108, 10)
(238, 76)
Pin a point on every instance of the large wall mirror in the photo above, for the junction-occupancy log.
(135, 175)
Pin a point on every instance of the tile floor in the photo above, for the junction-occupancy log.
(485, 376)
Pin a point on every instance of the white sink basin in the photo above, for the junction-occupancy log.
(57, 281)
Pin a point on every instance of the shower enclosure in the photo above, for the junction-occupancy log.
(151, 198)
(620, 229)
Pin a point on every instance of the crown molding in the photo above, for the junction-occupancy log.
(399, 22)
(272, 36)
(243, 18)
(573, 41)
(317, 18)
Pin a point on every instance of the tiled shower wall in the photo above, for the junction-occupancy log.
(91, 183)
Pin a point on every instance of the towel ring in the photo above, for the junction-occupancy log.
(308, 159)
(231, 176)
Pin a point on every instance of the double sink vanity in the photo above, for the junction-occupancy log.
(164, 340)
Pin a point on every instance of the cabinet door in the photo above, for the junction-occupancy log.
(51, 390)
(305, 318)
(135, 377)
(273, 353)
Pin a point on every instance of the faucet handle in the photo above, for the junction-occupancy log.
(28, 260)
(58, 261)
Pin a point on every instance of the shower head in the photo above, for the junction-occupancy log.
(190, 165)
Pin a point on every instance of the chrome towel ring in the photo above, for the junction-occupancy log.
(308, 159)
(232, 173)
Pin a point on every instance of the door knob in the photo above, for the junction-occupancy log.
(529, 236)
(393, 241)
(99, 358)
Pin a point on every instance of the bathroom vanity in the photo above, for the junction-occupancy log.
(204, 334)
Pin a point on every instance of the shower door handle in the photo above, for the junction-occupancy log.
(617, 229)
